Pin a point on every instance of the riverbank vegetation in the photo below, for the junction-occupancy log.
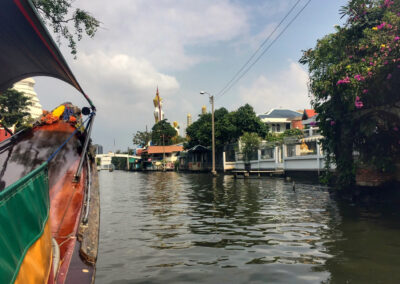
(14, 108)
(355, 83)
(229, 127)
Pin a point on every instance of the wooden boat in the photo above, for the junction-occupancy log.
(49, 197)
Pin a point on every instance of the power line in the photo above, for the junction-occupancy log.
(259, 48)
(265, 50)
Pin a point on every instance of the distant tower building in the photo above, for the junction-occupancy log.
(26, 86)
(189, 120)
(176, 127)
(203, 110)
(158, 112)
(98, 149)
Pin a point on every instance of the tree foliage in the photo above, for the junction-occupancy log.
(251, 143)
(14, 108)
(119, 163)
(66, 21)
(279, 137)
(229, 126)
(163, 131)
(355, 80)
(141, 138)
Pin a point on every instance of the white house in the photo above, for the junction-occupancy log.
(279, 120)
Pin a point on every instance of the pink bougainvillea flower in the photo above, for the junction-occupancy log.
(358, 103)
(386, 62)
(388, 3)
(365, 91)
(333, 123)
(381, 26)
(389, 76)
(358, 77)
(363, 60)
(343, 81)
(396, 38)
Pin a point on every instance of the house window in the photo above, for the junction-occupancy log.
(273, 128)
(278, 128)
(267, 153)
(287, 126)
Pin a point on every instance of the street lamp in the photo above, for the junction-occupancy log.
(212, 131)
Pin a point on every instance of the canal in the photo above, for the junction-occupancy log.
(192, 228)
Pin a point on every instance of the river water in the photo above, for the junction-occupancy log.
(192, 228)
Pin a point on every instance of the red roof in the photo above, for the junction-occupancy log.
(162, 149)
(309, 113)
(139, 151)
(3, 134)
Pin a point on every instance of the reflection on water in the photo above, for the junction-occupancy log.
(192, 228)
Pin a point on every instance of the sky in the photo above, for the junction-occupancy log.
(184, 47)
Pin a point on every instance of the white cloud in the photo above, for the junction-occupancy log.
(286, 89)
(161, 30)
(122, 88)
(122, 74)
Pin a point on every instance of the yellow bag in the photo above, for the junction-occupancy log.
(59, 111)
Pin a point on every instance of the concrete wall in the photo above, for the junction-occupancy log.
(304, 163)
(299, 162)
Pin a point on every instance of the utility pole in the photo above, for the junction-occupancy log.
(163, 144)
(213, 172)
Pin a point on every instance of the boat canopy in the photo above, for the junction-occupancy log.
(27, 49)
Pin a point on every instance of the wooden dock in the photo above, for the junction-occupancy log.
(277, 172)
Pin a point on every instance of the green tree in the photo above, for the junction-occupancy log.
(250, 145)
(355, 80)
(14, 108)
(162, 131)
(119, 163)
(66, 21)
(141, 138)
(199, 132)
(279, 137)
(246, 120)
(178, 139)
(229, 126)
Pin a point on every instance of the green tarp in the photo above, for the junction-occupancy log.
(24, 210)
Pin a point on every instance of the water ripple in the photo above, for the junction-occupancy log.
(181, 228)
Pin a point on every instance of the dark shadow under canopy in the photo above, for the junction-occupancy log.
(27, 49)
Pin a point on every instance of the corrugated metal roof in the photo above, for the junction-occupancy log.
(162, 149)
(280, 113)
(199, 148)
